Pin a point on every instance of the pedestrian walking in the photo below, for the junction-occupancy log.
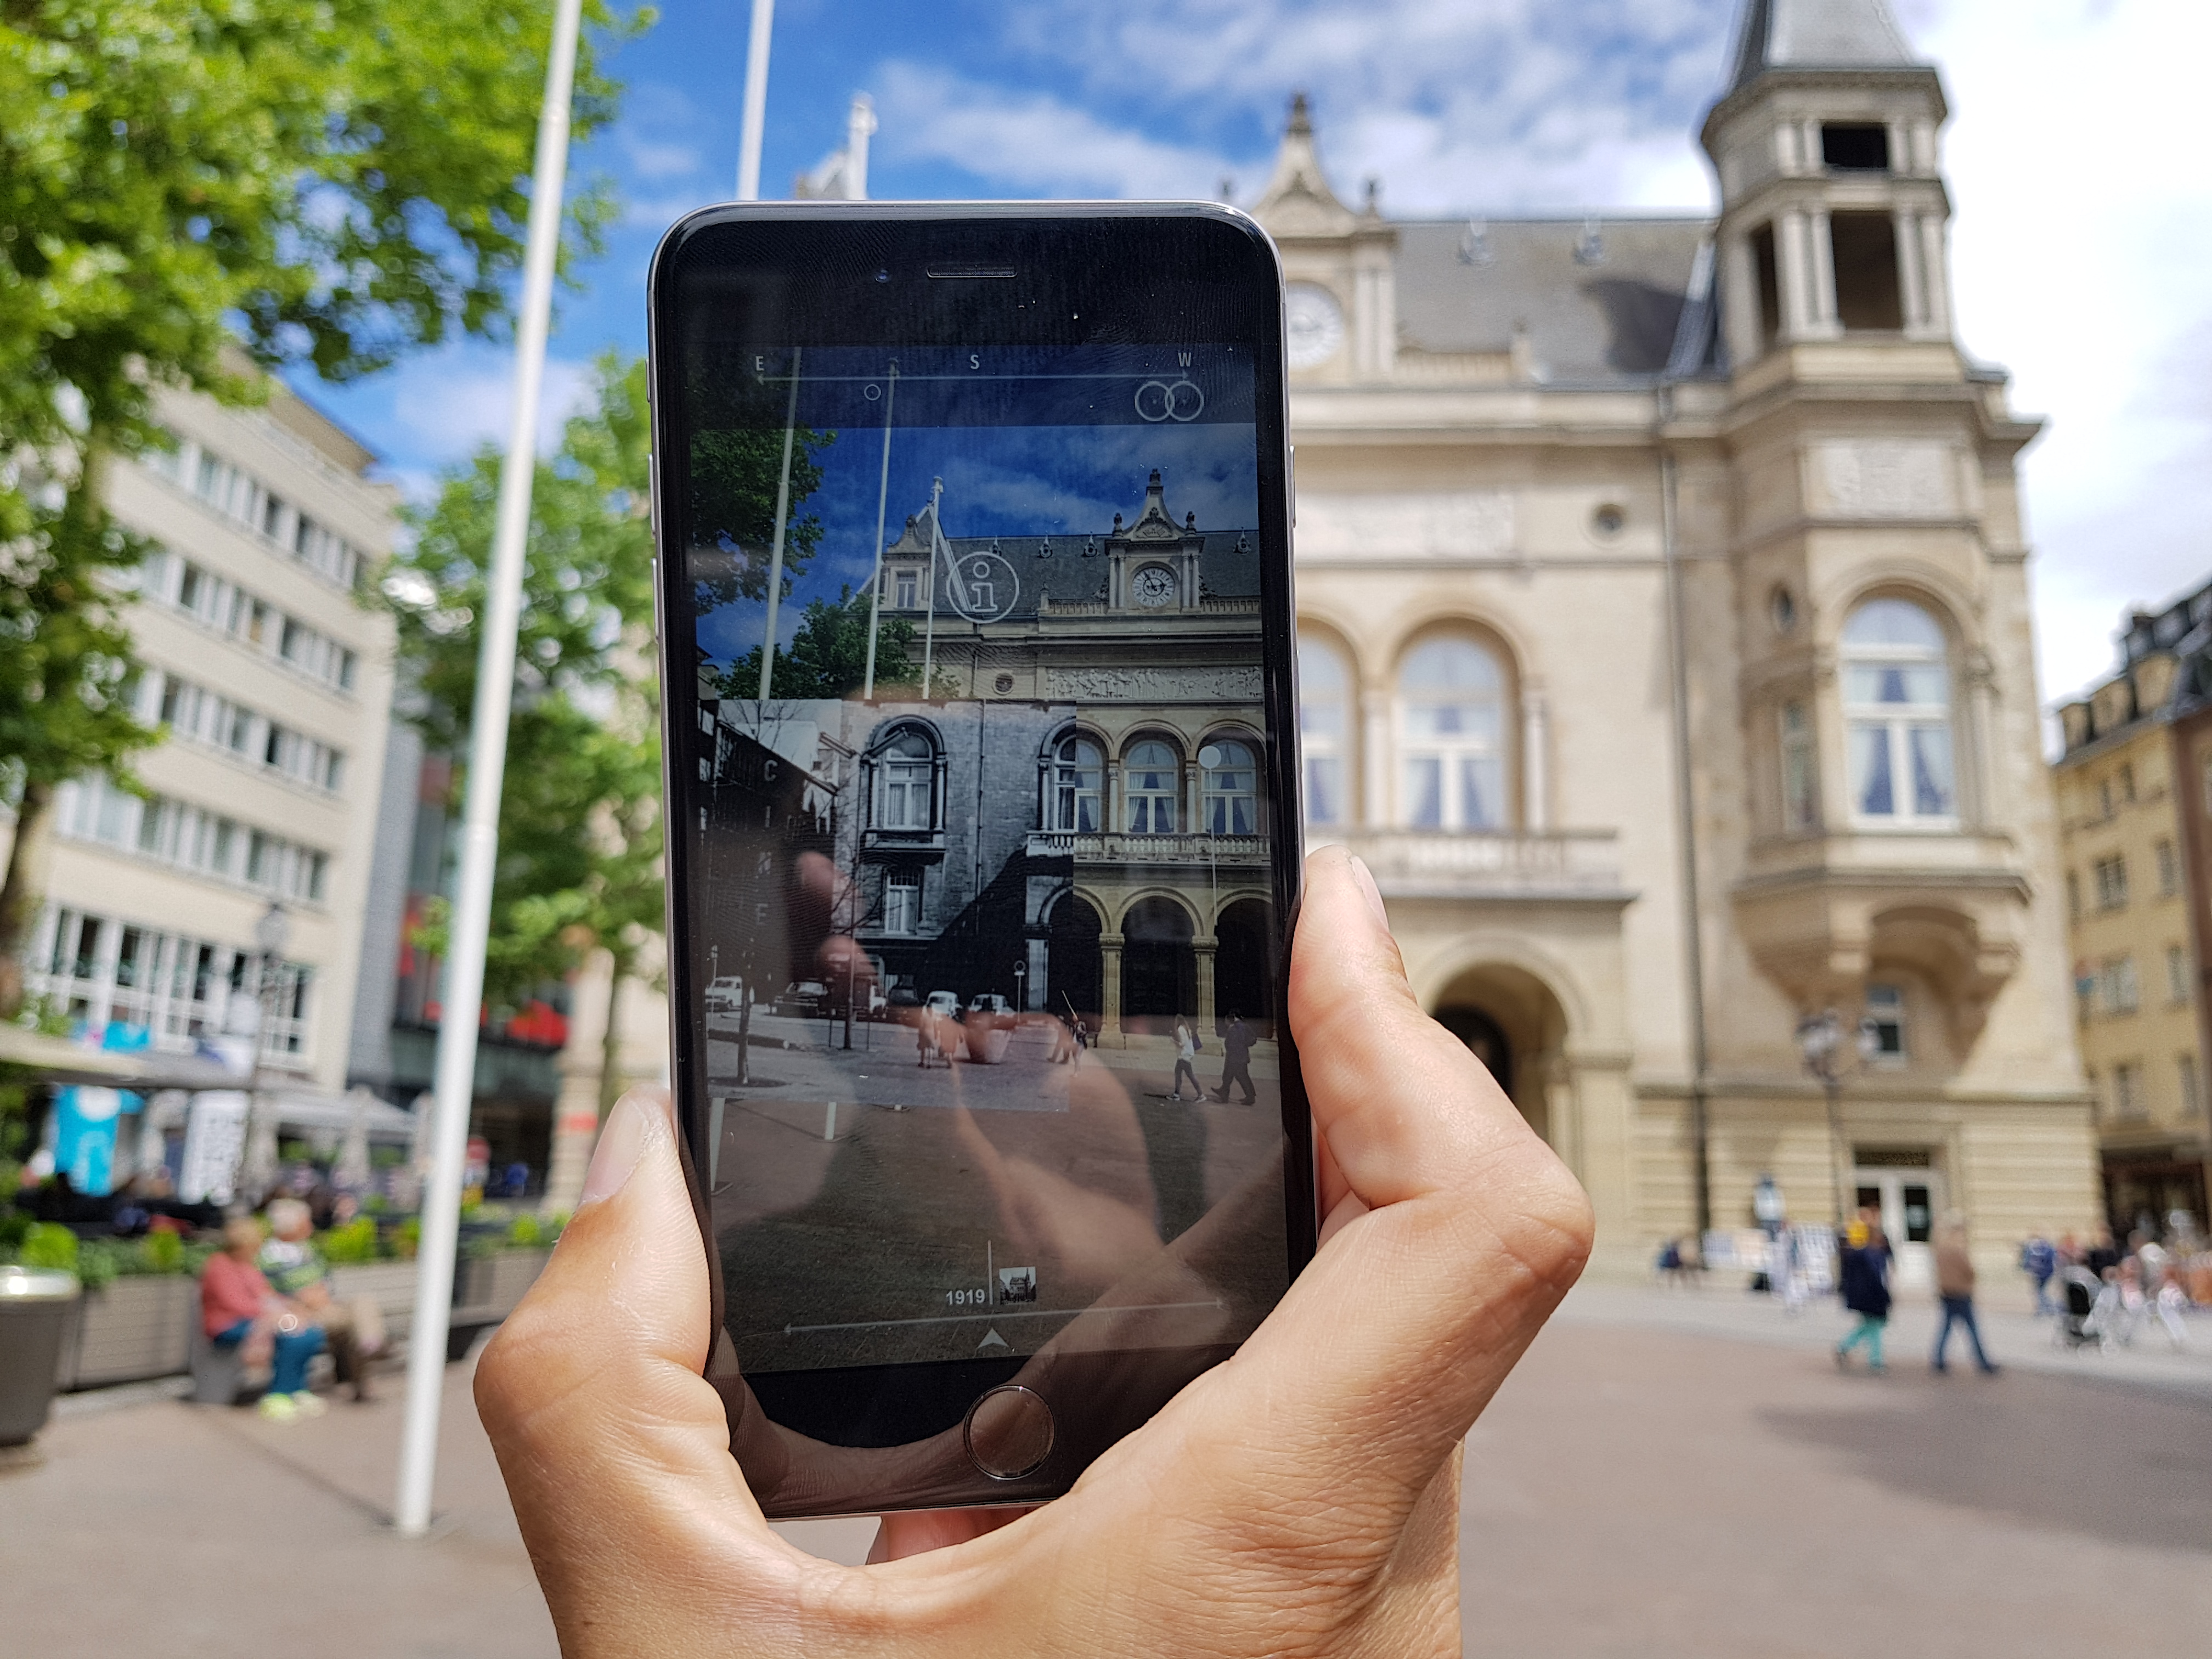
(2038, 1259)
(1865, 1258)
(1186, 1055)
(1954, 1286)
(1237, 1060)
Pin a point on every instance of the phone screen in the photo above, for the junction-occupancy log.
(981, 863)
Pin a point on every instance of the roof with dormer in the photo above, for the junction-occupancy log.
(1072, 569)
(1818, 34)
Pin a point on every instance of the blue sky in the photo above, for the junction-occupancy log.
(2084, 212)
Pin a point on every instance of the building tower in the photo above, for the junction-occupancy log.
(1896, 859)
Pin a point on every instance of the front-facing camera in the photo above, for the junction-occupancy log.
(882, 276)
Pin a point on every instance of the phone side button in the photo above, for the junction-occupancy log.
(1009, 1432)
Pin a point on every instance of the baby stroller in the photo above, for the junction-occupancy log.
(2085, 1318)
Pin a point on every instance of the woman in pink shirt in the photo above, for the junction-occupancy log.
(237, 1307)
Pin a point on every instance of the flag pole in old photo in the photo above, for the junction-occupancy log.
(883, 500)
(782, 520)
(463, 999)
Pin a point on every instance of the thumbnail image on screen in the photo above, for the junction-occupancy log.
(981, 948)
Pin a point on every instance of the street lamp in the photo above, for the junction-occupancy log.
(1821, 1041)
(1021, 977)
(270, 934)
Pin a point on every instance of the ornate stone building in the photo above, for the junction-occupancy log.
(1665, 649)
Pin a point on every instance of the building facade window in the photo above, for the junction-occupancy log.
(2112, 875)
(2121, 993)
(1897, 709)
(903, 902)
(906, 587)
(1228, 785)
(2192, 1096)
(1079, 772)
(93, 809)
(1884, 1012)
(1152, 773)
(2127, 1090)
(99, 969)
(2176, 973)
(905, 796)
(1801, 805)
(2169, 869)
(1324, 730)
(2073, 892)
(1451, 736)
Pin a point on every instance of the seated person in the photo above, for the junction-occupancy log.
(297, 1272)
(238, 1309)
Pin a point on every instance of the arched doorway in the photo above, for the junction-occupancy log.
(1159, 970)
(1072, 959)
(1243, 976)
(1515, 1025)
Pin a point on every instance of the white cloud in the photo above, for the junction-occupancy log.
(451, 404)
(1030, 141)
(652, 161)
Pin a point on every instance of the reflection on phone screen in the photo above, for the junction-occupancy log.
(981, 859)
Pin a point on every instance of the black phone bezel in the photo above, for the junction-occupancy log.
(1083, 273)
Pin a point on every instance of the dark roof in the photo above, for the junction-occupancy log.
(1071, 570)
(1818, 34)
(1600, 299)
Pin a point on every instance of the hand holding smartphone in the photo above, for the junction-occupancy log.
(978, 680)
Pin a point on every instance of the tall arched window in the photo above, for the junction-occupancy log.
(1079, 766)
(1153, 776)
(1324, 730)
(1451, 737)
(905, 768)
(1897, 711)
(1229, 787)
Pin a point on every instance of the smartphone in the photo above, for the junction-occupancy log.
(977, 664)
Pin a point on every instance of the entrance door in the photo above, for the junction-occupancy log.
(1907, 1200)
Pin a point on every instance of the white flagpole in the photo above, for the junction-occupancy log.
(756, 112)
(472, 917)
(783, 517)
(883, 500)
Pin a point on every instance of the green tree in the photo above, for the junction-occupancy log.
(326, 184)
(735, 475)
(827, 656)
(579, 832)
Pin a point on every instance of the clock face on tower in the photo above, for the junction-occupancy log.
(1153, 586)
(1313, 323)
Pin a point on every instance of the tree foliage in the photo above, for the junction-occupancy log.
(735, 475)
(580, 830)
(827, 655)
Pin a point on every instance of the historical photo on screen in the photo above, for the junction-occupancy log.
(980, 871)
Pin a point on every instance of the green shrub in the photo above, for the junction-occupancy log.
(407, 1237)
(353, 1243)
(102, 1262)
(50, 1244)
(162, 1252)
(14, 1227)
(526, 1232)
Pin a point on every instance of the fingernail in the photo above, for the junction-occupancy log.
(622, 1142)
(1365, 878)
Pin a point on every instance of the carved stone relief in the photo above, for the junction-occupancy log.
(1218, 685)
(1458, 524)
(1890, 479)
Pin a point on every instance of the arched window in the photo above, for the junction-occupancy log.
(905, 769)
(1228, 785)
(1897, 711)
(1324, 730)
(1078, 766)
(1152, 773)
(1451, 737)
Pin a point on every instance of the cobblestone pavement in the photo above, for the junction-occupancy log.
(1667, 1474)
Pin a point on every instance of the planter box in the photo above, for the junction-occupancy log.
(137, 1326)
(390, 1285)
(492, 1285)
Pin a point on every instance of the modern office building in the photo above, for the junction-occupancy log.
(2135, 819)
(273, 682)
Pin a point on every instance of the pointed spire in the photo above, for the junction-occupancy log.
(1818, 34)
(1298, 201)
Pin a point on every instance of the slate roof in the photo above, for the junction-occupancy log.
(1602, 300)
(1071, 570)
(1818, 34)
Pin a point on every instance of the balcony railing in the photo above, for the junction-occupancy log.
(1116, 847)
(1485, 863)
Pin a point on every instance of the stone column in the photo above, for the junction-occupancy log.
(1936, 273)
(1109, 988)
(1038, 992)
(1375, 758)
(1912, 274)
(1739, 302)
(1820, 264)
(1790, 244)
(1535, 774)
(1203, 948)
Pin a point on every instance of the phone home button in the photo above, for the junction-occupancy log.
(1009, 1432)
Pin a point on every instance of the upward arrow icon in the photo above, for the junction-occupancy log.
(992, 1340)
